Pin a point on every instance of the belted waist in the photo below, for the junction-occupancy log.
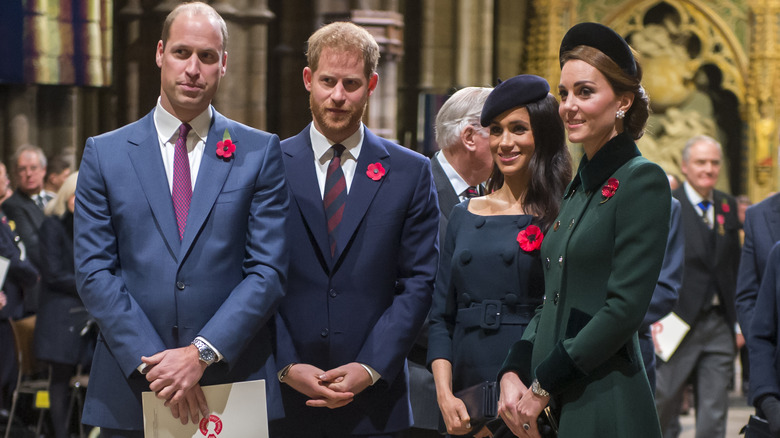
(491, 314)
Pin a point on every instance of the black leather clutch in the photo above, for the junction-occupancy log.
(481, 402)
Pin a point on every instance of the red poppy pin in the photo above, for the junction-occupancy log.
(609, 189)
(225, 148)
(530, 239)
(375, 171)
(724, 205)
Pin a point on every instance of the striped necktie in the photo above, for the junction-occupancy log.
(335, 196)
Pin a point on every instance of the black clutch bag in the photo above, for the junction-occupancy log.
(757, 427)
(481, 402)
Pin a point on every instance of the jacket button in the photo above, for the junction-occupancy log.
(333, 293)
(556, 226)
(324, 333)
(555, 299)
(547, 263)
(560, 260)
(571, 224)
(180, 285)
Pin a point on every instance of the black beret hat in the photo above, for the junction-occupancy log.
(602, 38)
(512, 93)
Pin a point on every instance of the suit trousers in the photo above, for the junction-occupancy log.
(706, 356)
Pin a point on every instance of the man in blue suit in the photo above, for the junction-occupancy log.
(180, 247)
(363, 229)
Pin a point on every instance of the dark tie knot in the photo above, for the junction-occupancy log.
(470, 192)
(338, 149)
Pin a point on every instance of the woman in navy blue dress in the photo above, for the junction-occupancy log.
(490, 276)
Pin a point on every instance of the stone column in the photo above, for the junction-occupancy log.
(763, 107)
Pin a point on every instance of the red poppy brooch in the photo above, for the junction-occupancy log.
(530, 239)
(375, 171)
(724, 205)
(609, 189)
(225, 148)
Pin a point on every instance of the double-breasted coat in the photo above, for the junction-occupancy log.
(601, 261)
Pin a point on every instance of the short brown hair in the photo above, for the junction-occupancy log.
(345, 37)
(195, 8)
(621, 82)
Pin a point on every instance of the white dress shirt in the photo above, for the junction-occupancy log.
(168, 132)
(323, 154)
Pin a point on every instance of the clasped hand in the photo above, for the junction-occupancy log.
(518, 406)
(328, 389)
(173, 376)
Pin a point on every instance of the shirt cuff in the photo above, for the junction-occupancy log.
(219, 356)
(372, 372)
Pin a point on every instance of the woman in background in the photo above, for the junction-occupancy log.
(490, 276)
(601, 258)
(62, 333)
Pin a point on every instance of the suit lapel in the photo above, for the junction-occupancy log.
(302, 180)
(362, 190)
(447, 196)
(773, 219)
(211, 178)
(147, 162)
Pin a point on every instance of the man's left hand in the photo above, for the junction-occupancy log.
(173, 372)
(351, 377)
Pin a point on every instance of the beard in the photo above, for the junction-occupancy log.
(336, 127)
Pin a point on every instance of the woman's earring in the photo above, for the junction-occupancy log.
(620, 114)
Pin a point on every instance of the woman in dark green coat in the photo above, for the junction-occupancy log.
(601, 258)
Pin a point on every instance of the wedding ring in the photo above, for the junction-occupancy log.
(526, 426)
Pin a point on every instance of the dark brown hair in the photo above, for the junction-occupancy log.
(621, 82)
(550, 165)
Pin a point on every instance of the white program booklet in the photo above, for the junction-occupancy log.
(4, 265)
(668, 332)
(238, 410)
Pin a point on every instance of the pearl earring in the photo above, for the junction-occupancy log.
(620, 114)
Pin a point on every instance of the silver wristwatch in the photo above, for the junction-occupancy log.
(205, 353)
(537, 389)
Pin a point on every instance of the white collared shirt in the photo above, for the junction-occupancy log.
(323, 154)
(695, 198)
(458, 184)
(168, 132)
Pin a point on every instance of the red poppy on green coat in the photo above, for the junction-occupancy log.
(530, 239)
(609, 189)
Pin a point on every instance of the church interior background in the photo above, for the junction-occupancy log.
(76, 68)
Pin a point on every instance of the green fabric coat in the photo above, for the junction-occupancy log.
(601, 262)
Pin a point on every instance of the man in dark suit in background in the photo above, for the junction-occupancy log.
(706, 303)
(762, 230)
(363, 254)
(25, 208)
(459, 170)
(179, 245)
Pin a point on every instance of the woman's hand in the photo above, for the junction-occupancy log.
(455, 414)
(520, 407)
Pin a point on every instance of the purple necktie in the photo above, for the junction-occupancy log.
(335, 195)
(182, 184)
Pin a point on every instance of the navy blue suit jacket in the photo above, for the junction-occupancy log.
(762, 230)
(764, 331)
(150, 291)
(367, 303)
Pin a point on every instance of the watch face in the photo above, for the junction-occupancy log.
(206, 355)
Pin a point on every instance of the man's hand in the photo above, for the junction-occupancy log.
(173, 372)
(352, 377)
(193, 403)
(305, 379)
